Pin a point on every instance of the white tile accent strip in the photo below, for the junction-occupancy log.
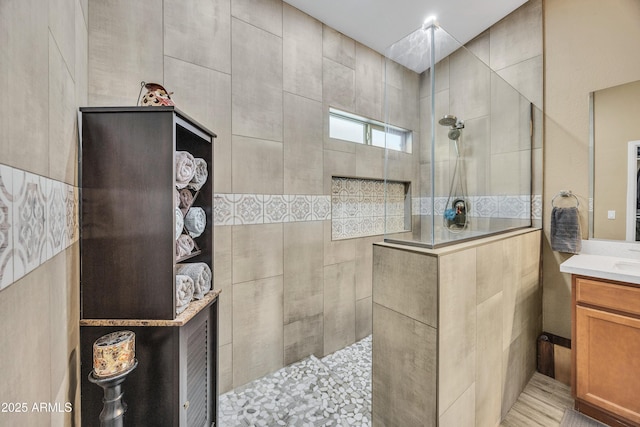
(238, 209)
(38, 220)
(485, 206)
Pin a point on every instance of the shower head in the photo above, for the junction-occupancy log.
(448, 120)
(454, 134)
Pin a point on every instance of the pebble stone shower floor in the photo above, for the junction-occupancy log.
(332, 391)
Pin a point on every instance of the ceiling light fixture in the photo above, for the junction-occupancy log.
(431, 20)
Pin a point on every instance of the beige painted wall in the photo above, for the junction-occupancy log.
(589, 45)
(615, 123)
(43, 80)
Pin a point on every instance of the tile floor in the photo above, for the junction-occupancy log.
(336, 391)
(332, 391)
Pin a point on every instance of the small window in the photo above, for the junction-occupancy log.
(349, 127)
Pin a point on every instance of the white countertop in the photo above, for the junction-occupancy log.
(604, 259)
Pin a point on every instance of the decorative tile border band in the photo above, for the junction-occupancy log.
(517, 207)
(38, 220)
(237, 209)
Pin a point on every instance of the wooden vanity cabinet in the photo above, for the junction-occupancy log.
(606, 350)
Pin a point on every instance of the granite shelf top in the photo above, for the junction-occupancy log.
(194, 308)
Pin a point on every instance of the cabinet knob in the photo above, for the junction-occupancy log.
(186, 405)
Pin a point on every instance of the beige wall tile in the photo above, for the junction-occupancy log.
(303, 338)
(480, 47)
(303, 153)
(339, 306)
(364, 321)
(404, 370)
(526, 77)
(302, 48)
(63, 131)
(61, 14)
(256, 166)
(27, 374)
(257, 252)
(222, 269)
(82, 55)
(364, 266)
(470, 86)
(490, 265)
(338, 47)
(517, 37)
(369, 161)
(225, 368)
(257, 329)
(510, 118)
(205, 95)
(303, 270)
(406, 282)
(517, 368)
(511, 172)
(511, 277)
(462, 412)
(339, 250)
(256, 88)
(404, 166)
(475, 147)
(338, 163)
(488, 382)
(199, 34)
(369, 78)
(264, 14)
(64, 317)
(23, 79)
(138, 54)
(84, 4)
(338, 85)
(457, 326)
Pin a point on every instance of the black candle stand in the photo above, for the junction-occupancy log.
(114, 407)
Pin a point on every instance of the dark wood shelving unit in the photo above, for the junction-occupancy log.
(128, 263)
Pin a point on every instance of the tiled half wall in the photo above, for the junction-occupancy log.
(38, 220)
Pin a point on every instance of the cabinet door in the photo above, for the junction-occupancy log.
(197, 371)
(608, 361)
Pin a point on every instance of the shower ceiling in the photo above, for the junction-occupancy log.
(380, 23)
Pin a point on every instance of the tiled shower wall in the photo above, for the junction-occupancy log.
(262, 75)
(43, 80)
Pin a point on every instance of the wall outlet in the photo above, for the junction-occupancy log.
(611, 214)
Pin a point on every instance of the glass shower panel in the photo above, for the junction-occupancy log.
(472, 152)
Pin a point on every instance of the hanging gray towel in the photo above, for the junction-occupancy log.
(565, 230)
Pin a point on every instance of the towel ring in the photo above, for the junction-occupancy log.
(564, 193)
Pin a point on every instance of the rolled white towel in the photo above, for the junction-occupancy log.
(184, 292)
(195, 221)
(201, 275)
(200, 176)
(184, 245)
(185, 168)
(179, 222)
(186, 198)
